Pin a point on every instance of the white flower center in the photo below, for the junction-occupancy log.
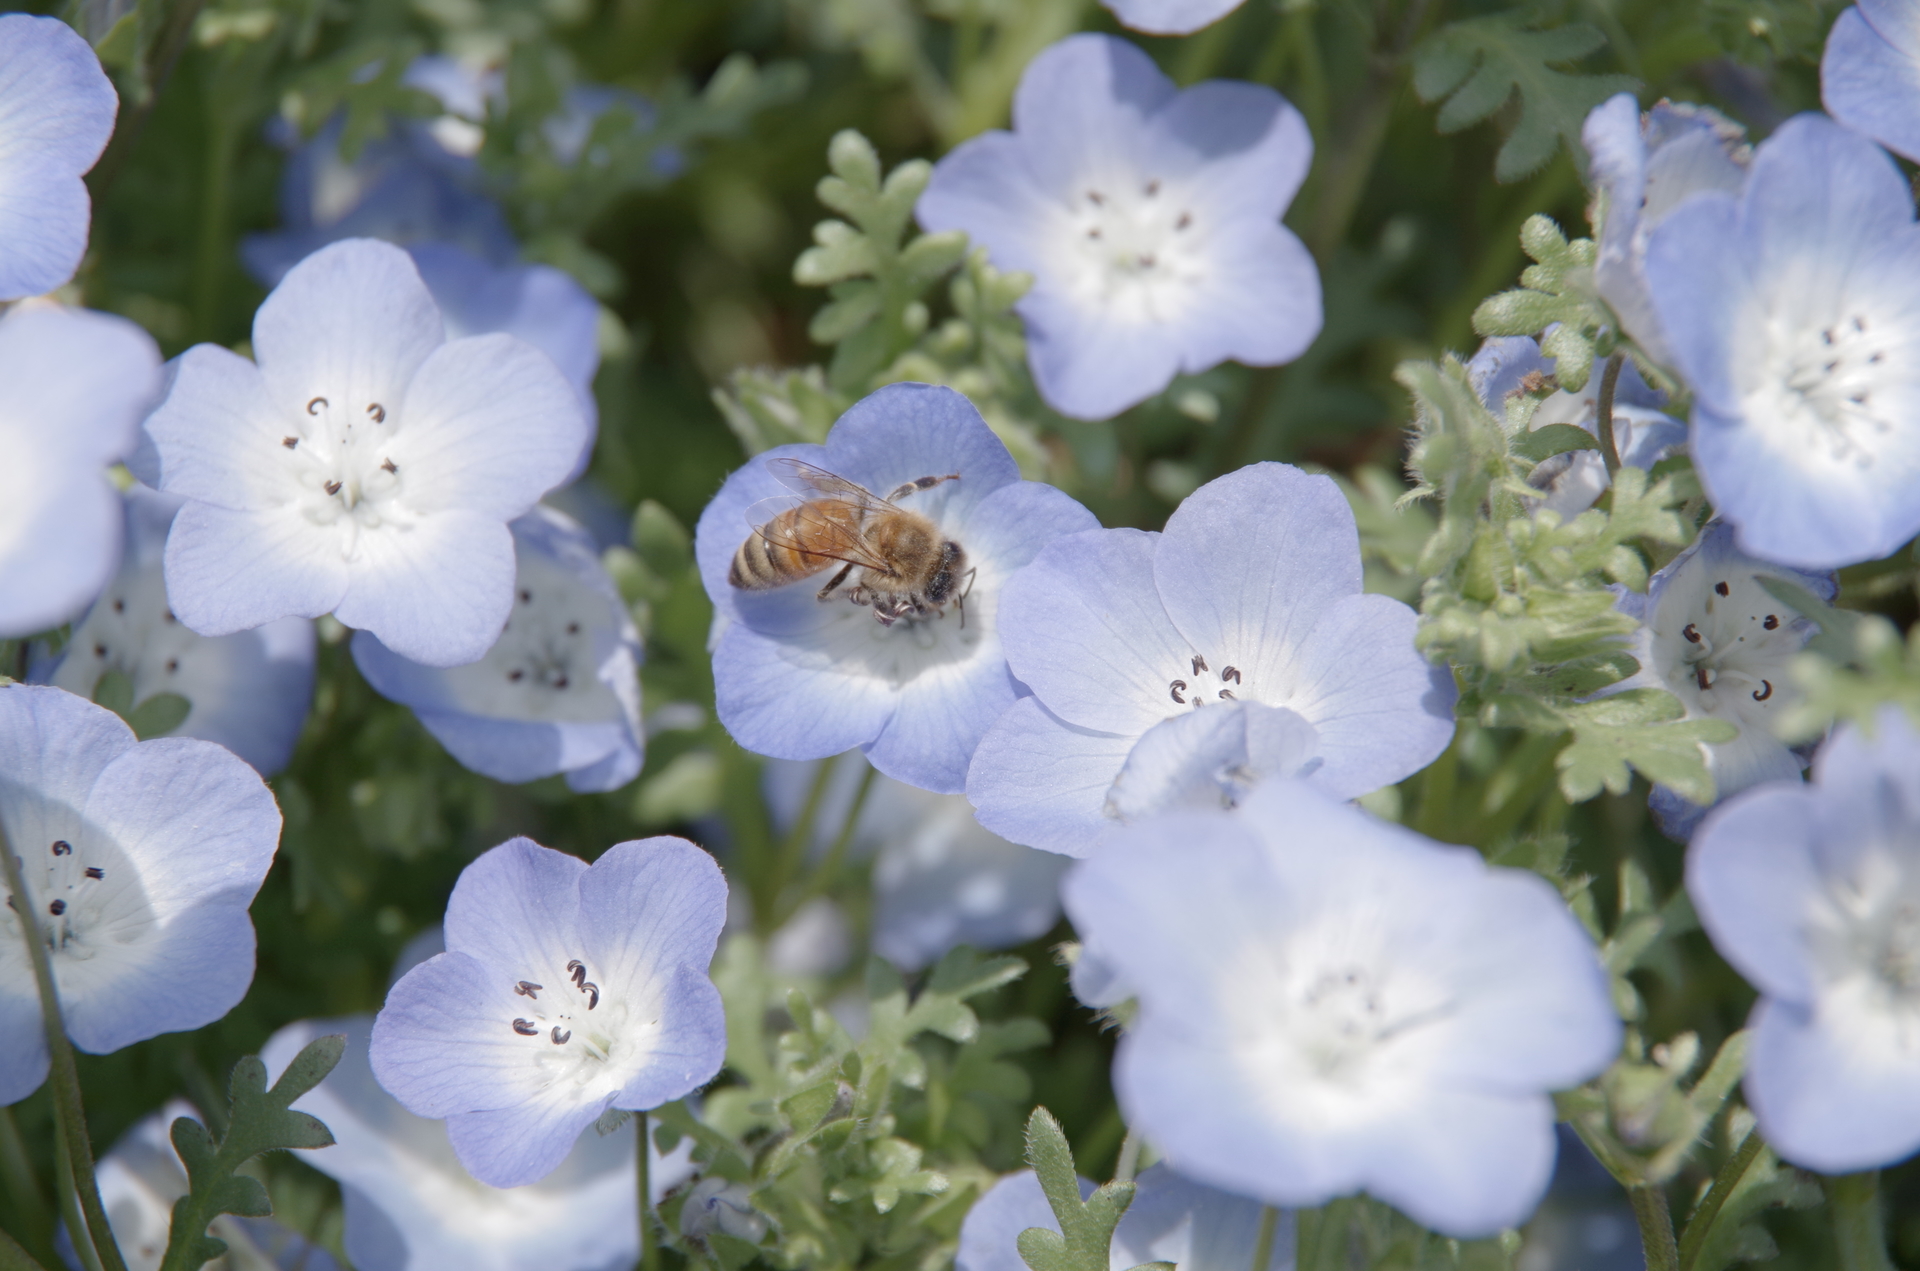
(1722, 643)
(88, 899)
(130, 629)
(573, 1033)
(1864, 932)
(1199, 683)
(1135, 249)
(339, 454)
(1817, 389)
(546, 663)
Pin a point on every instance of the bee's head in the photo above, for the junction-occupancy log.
(947, 575)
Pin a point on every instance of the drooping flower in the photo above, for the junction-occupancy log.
(1149, 218)
(797, 676)
(1180, 669)
(1812, 892)
(140, 860)
(1870, 73)
(940, 879)
(1645, 166)
(1328, 1003)
(558, 692)
(73, 385)
(248, 691)
(1171, 1219)
(142, 1177)
(56, 113)
(1170, 17)
(411, 1207)
(1504, 373)
(365, 467)
(564, 991)
(1713, 636)
(1789, 313)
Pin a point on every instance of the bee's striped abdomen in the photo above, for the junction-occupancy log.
(765, 560)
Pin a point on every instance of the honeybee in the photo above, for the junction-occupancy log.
(908, 568)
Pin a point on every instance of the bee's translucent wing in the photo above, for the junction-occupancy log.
(819, 483)
(813, 530)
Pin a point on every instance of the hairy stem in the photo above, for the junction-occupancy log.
(1694, 1238)
(1129, 1163)
(1859, 1228)
(69, 1116)
(1603, 413)
(649, 1250)
(1656, 1227)
(29, 1202)
(70, 1208)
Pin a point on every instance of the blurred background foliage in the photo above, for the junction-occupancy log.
(685, 215)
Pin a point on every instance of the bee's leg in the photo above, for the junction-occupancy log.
(834, 582)
(960, 601)
(919, 483)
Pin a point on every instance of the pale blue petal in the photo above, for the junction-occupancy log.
(444, 1043)
(1752, 869)
(1174, 1219)
(1243, 146)
(1871, 82)
(1170, 17)
(62, 541)
(1697, 277)
(987, 188)
(989, 1237)
(1826, 1098)
(1083, 103)
(758, 686)
(216, 436)
(437, 591)
(233, 571)
(1467, 1163)
(951, 882)
(1502, 363)
(516, 907)
(938, 722)
(1093, 364)
(1037, 780)
(56, 113)
(522, 1144)
(1207, 758)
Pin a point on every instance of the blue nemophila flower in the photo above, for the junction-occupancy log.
(1171, 1219)
(1870, 73)
(248, 691)
(1812, 892)
(367, 466)
(1330, 1003)
(940, 879)
(140, 861)
(1170, 17)
(1180, 669)
(564, 991)
(410, 1206)
(560, 689)
(73, 385)
(1149, 218)
(1645, 166)
(56, 113)
(1789, 309)
(1508, 369)
(1712, 635)
(142, 1177)
(912, 680)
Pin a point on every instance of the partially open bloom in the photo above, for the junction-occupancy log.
(798, 675)
(1504, 373)
(248, 691)
(1712, 635)
(1149, 218)
(367, 466)
(142, 1177)
(1330, 1003)
(1870, 73)
(1646, 166)
(1789, 311)
(140, 860)
(1171, 1219)
(1812, 892)
(558, 692)
(411, 1207)
(73, 385)
(1180, 669)
(56, 113)
(564, 991)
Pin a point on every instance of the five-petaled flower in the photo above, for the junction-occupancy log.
(1328, 1003)
(140, 861)
(565, 990)
(1182, 668)
(366, 467)
(56, 113)
(1149, 218)
(1812, 892)
(1789, 312)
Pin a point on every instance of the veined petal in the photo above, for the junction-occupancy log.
(444, 1042)
(516, 909)
(231, 571)
(219, 437)
(1037, 780)
(521, 1144)
(437, 591)
(1083, 103)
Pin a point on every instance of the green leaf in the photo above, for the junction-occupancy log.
(1557, 288)
(158, 715)
(1478, 64)
(1640, 729)
(260, 1120)
(114, 690)
(1085, 1238)
(1553, 439)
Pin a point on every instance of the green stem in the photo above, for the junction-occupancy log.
(793, 849)
(69, 1116)
(822, 878)
(1603, 412)
(29, 1202)
(70, 1208)
(1129, 1163)
(1263, 1244)
(215, 245)
(1701, 1224)
(1656, 1227)
(15, 1258)
(1859, 1228)
(649, 1251)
